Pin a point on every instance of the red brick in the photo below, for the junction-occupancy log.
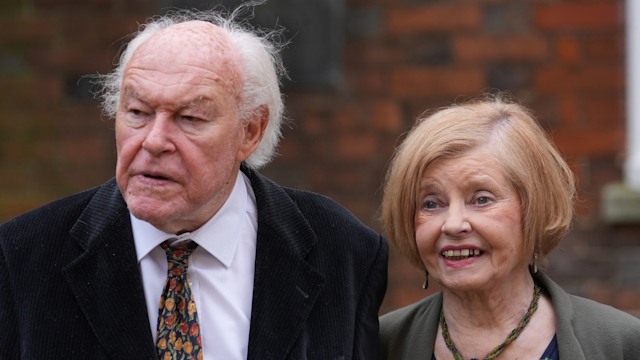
(319, 178)
(53, 3)
(79, 60)
(576, 16)
(348, 118)
(75, 4)
(600, 79)
(44, 148)
(76, 177)
(356, 146)
(434, 18)
(19, 200)
(82, 119)
(311, 115)
(288, 150)
(115, 28)
(386, 116)
(424, 82)
(26, 30)
(313, 124)
(570, 110)
(368, 82)
(19, 178)
(628, 300)
(379, 114)
(487, 48)
(606, 48)
(371, 2)
(371, 54)
(350, 181)
(605, 112)
(44, 87)
(82, 149)
(573, 142)
(568, 49)
(98, 29)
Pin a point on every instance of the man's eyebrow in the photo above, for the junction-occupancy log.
(200, 100)
(130, 93)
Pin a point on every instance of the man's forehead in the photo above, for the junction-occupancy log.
(195, 44)
(199, 34)
(129, 92)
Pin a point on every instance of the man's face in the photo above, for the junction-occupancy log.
(178, 136)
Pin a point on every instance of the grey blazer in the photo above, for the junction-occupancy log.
(70, 284)
(585, 329)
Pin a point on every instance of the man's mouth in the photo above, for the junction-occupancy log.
(157, 177)
(461, 254)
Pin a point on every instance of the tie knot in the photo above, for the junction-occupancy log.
(178, 256)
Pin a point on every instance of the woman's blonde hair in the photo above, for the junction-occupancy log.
(541, 177)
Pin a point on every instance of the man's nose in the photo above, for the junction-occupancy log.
(160, 136)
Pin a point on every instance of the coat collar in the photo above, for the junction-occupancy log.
(106, 280)
(286, 286)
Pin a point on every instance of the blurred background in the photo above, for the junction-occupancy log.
(361, 72)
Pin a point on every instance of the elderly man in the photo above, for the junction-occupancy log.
(189, 252)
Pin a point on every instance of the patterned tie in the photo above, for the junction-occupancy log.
(178, 329)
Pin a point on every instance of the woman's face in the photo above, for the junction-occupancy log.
(469, 223)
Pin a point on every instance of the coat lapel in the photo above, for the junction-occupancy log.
(285, 286)
(569, 347)
(106, 278)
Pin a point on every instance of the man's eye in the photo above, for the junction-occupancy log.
(136, 112)
(191, 118)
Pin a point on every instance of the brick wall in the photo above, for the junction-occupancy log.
(564, 59)
(52, 139)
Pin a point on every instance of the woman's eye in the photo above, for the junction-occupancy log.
(482, 200)
(429, 204)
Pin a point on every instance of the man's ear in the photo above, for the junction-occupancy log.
(253, 131)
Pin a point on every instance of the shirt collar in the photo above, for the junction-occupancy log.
(219, 236)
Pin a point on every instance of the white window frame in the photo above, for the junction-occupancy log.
(632, 162)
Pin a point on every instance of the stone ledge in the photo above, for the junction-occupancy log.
(620, 204)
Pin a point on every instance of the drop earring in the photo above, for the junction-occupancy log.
(425, 285)
(534, 264)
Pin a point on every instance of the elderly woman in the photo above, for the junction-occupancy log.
(477, 196)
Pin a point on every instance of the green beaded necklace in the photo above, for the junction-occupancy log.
(512, 336)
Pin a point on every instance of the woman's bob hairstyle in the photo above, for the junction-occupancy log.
(541, 177)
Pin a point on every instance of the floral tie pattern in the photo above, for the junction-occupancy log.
(178, 329)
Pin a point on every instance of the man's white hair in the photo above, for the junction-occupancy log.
(259, 63)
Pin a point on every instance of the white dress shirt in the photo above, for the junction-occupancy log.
(220, 273)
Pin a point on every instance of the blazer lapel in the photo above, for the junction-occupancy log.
(106, 278)
(285, 285)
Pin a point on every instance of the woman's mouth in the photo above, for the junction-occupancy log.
(461, 254)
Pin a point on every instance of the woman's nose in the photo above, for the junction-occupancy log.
(456, 222)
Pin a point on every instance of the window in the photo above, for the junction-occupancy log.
(313, 28)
